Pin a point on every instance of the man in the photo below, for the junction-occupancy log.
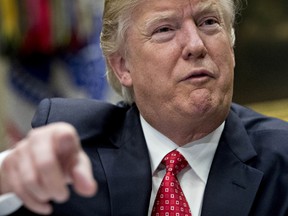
(173, 63)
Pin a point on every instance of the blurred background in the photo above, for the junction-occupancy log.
(50, 48)
(261, 74)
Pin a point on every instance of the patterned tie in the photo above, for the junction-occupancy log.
(170, 200)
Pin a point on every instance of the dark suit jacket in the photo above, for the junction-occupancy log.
(249, 173)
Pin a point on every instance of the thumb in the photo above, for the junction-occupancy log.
(82, 177)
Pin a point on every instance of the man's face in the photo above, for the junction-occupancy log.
(180, 58)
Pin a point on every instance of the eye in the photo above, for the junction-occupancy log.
(210, 21)
(210, 24)
(163, 34)
(163, 29)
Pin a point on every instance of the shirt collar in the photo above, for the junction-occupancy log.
(199, 154)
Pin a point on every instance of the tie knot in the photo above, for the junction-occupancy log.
(174, 162)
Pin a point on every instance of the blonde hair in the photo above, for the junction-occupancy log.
(116, 21)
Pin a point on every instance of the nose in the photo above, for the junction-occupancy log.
(193, 44)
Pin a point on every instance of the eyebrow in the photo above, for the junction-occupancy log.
(162, 16)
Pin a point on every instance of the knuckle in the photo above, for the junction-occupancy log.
(45, 165)
(30, 181)
(6, 164)
(32, 133)
(33, 137)
(9, 164)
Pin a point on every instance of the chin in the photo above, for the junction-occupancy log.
(202, 109)
(208, 108)
(206, 101)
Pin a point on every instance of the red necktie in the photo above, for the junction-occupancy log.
(170, 200)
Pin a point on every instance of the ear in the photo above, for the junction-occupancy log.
(233, 56)
(120, 69)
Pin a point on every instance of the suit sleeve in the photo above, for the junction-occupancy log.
(41, 115)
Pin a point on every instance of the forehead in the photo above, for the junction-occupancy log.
(148, 11)
(163, 5)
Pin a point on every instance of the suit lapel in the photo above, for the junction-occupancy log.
(231, 188)
(127, 169)
(232, 185)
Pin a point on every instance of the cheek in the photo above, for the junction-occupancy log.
(226, 77)
(152, 66)
(226, 59)
(225, 64)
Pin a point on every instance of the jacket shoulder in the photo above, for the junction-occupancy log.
(89, 117)
(269, 136)
(269, 139)
(256, 122)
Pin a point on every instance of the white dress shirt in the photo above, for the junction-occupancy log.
(199, 155)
